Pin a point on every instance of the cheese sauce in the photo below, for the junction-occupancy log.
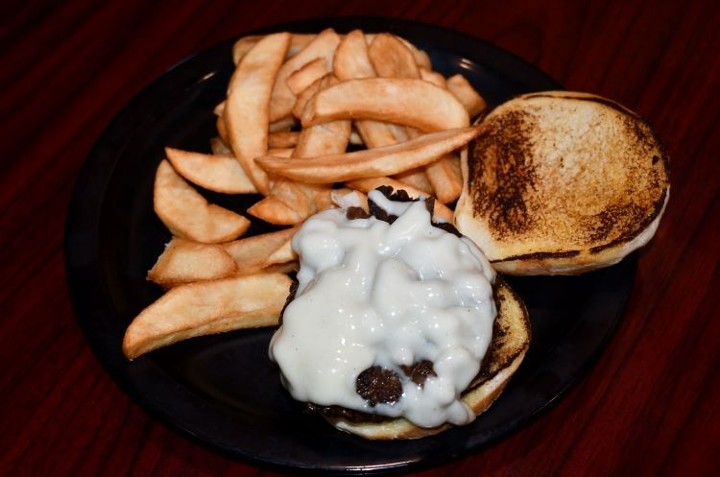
(372, 293)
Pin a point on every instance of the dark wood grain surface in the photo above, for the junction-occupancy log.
(649, 406)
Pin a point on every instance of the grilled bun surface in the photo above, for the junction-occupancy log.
(562, 183)
(510, 342)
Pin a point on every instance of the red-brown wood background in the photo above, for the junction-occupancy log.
(649, 407)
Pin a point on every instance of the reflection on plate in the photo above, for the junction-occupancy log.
(222, 390)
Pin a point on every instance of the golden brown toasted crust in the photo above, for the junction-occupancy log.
(511, 339)
(562, 182)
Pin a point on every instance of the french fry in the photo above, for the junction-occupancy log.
(219, 147)
(295, 195)
(321, 46)
(283, 254)
(391, 58)
(351, 58)
(355, 138)
(383, 161)
(256, 253)
(324, 197)
(285, 124)
(344, 198)
(421, 57)
(243, 45)
(282, 151)
(221, 128)
(379, 133)
(322, 139)
(185, 261)
(246, 111)
(396, 100)
(289, 202)
(461, 88)
(308, 93)
(219, 173)
(188, 214)
(298, 41)
(307, 74)
(207, 307)
(416, 178)
(433, 77)
(283, 139)
(275, 211)
(445, 178)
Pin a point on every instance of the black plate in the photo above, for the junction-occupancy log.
(222, 391)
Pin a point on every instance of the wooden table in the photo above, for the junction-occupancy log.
(649, 406)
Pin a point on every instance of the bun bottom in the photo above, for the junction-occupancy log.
(511, 340)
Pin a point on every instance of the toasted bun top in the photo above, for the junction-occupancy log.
(562, 182)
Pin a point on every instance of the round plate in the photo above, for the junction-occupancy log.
(222, 390)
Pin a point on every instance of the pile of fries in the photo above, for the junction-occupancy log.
(308, 119)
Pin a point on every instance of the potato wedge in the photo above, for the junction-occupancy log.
(220, 147)
(349, 198)
(351, 58)
(246, 111)
(298, 41)
(277, 212)
(321, 46)
(243, 45)
(208, 307)
(378, 162)
(219, 109)
(306, 95)
(188, 214)
(332, 137)
(283, 139)
(445, 178)
(253, 254)
(221, 128)
(282, 152)
(285, 124)
(421, 57)
(461, 88)
(416, 178)
(433, 77)
(219, 173)
(290, 202)
(307, 74)
(410, 102)
(391, 58)
(185, 261)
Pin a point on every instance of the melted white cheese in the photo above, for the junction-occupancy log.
(375, 294)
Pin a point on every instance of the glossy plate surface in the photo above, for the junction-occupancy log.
(222, 391)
